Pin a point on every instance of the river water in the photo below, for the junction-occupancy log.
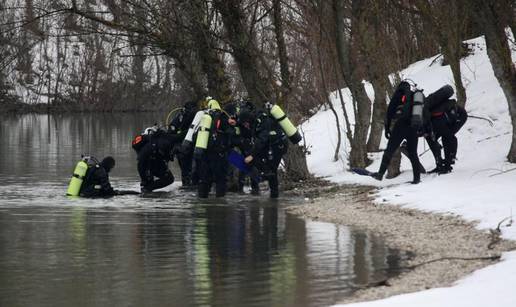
(167, 249)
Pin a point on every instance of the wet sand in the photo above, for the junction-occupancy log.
(418, 235)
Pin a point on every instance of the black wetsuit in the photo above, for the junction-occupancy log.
(153, 160)
(446, 120)
(270, 144)
(399, 112)
(179, 126)
(96, 182)
(213, 163)
(244, 141)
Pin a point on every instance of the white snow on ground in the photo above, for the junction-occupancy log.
(477, 189)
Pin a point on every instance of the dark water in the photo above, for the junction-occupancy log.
(167, 250)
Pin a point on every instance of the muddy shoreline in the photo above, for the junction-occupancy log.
(419, 236)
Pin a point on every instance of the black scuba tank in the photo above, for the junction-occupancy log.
(439, 97)
(418, 103)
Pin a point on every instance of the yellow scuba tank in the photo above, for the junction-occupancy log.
(285, 124)
(204, 133)
(77, 178)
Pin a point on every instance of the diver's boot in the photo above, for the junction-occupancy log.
(255, 187)
(186, 181)
(145, 189)
(445, 168)
(417, 176)
(377, 176)
(383, 168)
(438, 166)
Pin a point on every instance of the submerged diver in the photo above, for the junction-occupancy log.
(400, 113)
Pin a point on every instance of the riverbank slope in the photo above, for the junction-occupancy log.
(480, 190)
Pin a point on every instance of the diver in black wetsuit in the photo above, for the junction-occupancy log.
(213, 160)
(399, 115)
(153, 158)
(446, 118)
(179, 126)
(96, 181)
(270, 144)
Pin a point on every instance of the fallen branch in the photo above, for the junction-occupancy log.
(494, 136)
(503, 172)
(496, 234)
(486, 170)
(482, 118)
(379, 283)
(411, 267)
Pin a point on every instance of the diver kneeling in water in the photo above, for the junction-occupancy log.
(90, 178)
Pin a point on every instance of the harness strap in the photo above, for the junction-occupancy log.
(282, 118)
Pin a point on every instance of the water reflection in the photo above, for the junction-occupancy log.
(167, 250)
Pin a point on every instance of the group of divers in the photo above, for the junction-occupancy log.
(210, 144)
(411, 115)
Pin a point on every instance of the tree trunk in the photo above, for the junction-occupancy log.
(452, 54)
(212, 64)
(296, 168)
(491, 18)
(295, 163)
(394, 166)
(457, 78)
(379, 110)
(362, 104)
(282, 49)
(244, 50)
(358, 153)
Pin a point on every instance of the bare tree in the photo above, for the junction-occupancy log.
(448, 22)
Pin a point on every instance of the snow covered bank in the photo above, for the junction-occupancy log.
(477, 190)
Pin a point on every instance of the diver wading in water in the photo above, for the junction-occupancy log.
(211, 149)
(154, 149)
(179, 125)
(90, 179)
(272, 130)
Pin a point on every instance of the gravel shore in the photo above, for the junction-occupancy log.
(420, 236)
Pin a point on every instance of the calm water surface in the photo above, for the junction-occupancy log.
(168, 249)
